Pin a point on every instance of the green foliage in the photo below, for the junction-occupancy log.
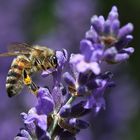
(40, 18)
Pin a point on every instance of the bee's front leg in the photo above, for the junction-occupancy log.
(28, 82)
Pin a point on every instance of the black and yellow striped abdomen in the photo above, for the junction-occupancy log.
(14, 81)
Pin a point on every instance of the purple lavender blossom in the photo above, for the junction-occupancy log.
(57, 115)
(32, 121)
(36, 119)
(100, 44)
(79, 123)
(23, 135)
(111, 36)
(82, 65)
(45, 101)
(103, 42)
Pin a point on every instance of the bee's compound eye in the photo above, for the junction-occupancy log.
(54, 61)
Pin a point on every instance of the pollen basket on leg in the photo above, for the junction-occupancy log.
(26, 78)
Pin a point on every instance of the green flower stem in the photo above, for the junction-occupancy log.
(56, 117)
(53, 126)
(70, 100)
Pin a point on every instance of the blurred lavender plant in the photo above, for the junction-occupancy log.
(58, 112)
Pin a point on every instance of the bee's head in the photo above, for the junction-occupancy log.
(53, 61)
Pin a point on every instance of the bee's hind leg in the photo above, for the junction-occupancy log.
(28, 82)
(34, 88)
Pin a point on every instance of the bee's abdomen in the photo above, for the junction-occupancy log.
(14, 80)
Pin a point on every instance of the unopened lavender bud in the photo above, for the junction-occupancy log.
(121, 57)
(125, 30)
(123, 42)
(65, 111)
(92, 35)
(115, 27)
(69, 79)
(129, 50)
(110, 53)
(79, 110)
(97, 24)
(82, 90)
(86, 48)
(23, 135)
(113, 14)
(74, 111)
(79, 123)
(107, 27)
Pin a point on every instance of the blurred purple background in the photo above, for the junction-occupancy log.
(62, 24)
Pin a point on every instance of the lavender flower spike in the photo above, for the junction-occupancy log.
(110, 35)
(33, 118)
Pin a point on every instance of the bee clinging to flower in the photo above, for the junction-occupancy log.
(30, 59)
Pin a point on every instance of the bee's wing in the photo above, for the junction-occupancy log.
(19, 47)
(10, 54)
(23, 48)
(15, 49)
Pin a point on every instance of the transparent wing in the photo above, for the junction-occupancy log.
(12, 54)
(19, 47)
(22, 48)
(15, 49)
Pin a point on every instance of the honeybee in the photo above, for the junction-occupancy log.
(30, 59)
